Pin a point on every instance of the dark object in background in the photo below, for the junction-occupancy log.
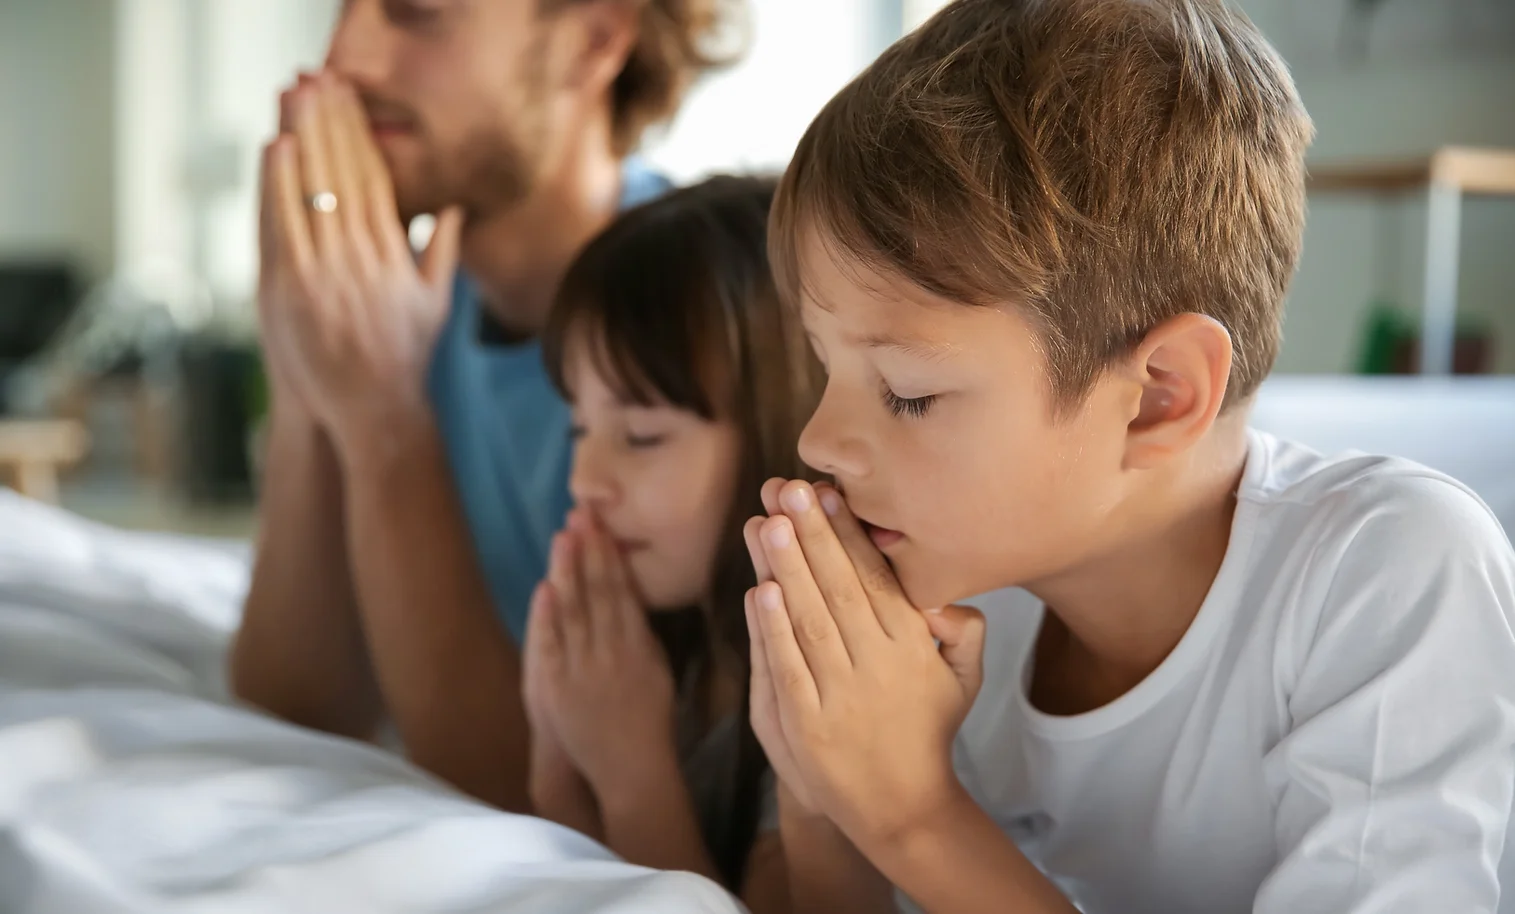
(218, 378)
(1391, 344)
(36, 300)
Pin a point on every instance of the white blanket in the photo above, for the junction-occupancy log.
(130, 783)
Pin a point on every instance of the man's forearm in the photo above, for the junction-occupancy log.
(449, 673)
(300, 652)
(827, 875)
(961, 863)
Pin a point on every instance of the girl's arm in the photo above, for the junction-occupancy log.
(649, 817)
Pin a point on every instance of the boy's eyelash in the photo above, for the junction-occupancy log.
(914, 407)
(575, 432)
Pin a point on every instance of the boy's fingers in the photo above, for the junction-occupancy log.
(888, 599)
(830, 566)
(961, 631)
(770, 495)
(752, 533)
(795, 689)
(815, 630)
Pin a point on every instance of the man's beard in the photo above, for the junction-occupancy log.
(494, 167)
(490, 171)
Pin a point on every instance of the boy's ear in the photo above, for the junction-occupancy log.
(1182, 369)
(605, 32)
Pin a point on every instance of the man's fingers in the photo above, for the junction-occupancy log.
(830, 566)
(291, 226)
(961, 631)
(316, 170)
(440, 259)
(375, 183)
(752, 534)
(815, 630)
(795, 689)
(888, 599)
(343, 139)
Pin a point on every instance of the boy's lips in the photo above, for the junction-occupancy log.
(882, 537)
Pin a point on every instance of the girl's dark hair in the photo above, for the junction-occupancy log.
(676, 304)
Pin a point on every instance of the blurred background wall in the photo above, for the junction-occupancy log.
(130, 131)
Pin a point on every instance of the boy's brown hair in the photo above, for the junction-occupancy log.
(1104, 164)
(677, 41)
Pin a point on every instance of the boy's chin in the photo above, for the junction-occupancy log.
(929, 587)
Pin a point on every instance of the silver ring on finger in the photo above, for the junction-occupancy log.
(322, 202)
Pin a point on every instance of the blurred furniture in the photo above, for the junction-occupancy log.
(33, 451)
(36, 300)
(1462, 426)
(1445, 176)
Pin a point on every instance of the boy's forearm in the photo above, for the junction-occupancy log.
(449, 671)
(961, 863)
(827, 874)
(300, 651)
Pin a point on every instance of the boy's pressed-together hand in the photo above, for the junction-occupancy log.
(853, 699)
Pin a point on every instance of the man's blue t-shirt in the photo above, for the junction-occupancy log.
(506, 434)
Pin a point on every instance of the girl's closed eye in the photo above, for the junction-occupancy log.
(644, 441)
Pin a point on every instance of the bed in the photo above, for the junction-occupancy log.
(130, 782)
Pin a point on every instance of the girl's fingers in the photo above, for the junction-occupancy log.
(601, 601)
(814, 628)
(890, 605)
(568, 605)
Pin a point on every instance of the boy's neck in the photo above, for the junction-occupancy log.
(1114, 619)
(517, 256)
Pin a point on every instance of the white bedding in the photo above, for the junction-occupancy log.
(129, 783)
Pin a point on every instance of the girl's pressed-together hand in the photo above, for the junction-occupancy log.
(857, 702)
(600, 680)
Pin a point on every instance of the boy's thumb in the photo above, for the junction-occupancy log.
(960, 629)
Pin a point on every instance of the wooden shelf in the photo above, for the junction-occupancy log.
(33, 451)
(1488, 172)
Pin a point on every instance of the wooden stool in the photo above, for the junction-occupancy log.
(32, 451)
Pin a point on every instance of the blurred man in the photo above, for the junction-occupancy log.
(418, 456)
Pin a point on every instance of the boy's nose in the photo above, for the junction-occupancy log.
(829, 444)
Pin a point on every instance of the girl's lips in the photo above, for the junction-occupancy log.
(882, 537)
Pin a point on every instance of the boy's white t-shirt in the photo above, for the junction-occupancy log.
(1334, 733)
